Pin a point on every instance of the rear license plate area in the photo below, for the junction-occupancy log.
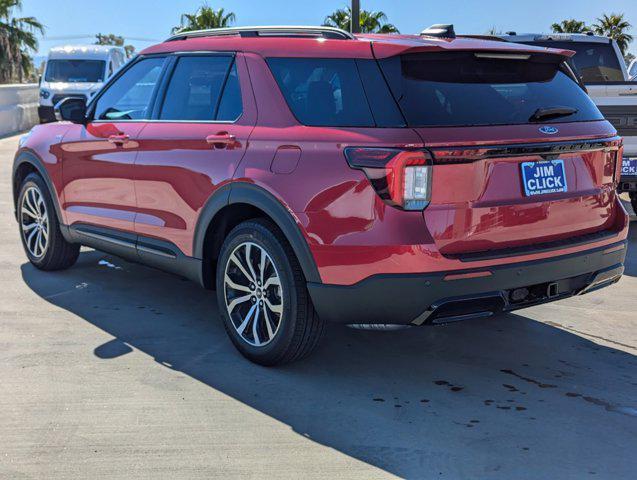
(542, 178)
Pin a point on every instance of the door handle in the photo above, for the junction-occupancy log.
(120, 139)
(221, 140)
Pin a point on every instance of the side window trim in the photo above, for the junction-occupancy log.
(169, 70)
(223, 88)
(162, 87)
(93, 102)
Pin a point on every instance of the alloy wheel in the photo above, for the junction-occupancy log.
(253, 293)
(34, 220)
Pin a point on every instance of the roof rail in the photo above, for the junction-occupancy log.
(268, 31)
(440, 30)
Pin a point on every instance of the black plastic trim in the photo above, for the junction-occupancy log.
(544, 149)
(152, 252)
(251, 194)
(247, 193)
(36, 162)
(412, 298)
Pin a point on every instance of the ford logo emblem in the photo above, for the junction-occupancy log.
(548, 130)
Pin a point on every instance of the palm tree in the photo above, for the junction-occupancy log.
(615, 27)
(115, 40)
(370, 22)
(570, 26)
(205, 17)
(17, 39)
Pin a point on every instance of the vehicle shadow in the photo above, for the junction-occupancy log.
(496, 398)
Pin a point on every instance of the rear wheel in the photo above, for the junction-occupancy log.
(262, 296)
(40, 232)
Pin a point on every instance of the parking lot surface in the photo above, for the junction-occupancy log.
(114, 370)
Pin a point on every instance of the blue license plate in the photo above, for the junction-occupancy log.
(540, 178)
(629, 166)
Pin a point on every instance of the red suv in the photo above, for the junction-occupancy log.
(309, 175)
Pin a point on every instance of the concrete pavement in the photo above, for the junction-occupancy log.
(114, 370)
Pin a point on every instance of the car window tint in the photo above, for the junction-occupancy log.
(384, 108)
(129, 97)
(231, 105)
(595, 62)
(195, 87)
(462, 89)
(323, 92)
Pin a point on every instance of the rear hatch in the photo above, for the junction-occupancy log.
(599, 65)
(522, 157)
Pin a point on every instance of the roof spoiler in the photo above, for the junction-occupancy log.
(440, 30)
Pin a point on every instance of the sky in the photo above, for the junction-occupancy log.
(145, 22)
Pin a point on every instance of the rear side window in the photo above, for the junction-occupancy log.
(326, 91)
(463, 89)
(203, 88)
(594, 62)
(128, 97)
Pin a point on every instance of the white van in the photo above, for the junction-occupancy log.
(76, 71)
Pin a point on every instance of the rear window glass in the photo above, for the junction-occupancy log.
(462, 89)
(323, 91)
(75, 71)
(195, 90)
(595, 62)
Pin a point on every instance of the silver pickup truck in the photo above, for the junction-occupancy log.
(602, 69)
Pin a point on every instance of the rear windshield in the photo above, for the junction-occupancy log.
(464, 88)
(595, 62)
(75, 71)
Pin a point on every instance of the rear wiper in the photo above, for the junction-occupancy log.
(551, 112)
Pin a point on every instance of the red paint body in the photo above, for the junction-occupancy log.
(158, 181)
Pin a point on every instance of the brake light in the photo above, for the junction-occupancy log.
(619, 160)
(402, 178)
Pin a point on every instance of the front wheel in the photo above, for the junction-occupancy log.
(262, 296)
(40, 232)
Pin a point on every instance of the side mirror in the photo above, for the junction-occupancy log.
(39, 79)
(71, 109)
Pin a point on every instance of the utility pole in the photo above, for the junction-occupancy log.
(355, 24)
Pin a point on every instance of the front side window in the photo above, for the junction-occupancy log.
(323, 91)
(203, 88)
(75, 71)
(465, 88)
(129, 97)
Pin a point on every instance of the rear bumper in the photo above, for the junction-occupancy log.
(417, 299)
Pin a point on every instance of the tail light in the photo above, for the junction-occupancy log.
(619, 161)
(402, 178)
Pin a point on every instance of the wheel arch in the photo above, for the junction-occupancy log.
(24, 164)
(235, 203)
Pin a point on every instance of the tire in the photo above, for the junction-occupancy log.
(287, 328)
(39, 227)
